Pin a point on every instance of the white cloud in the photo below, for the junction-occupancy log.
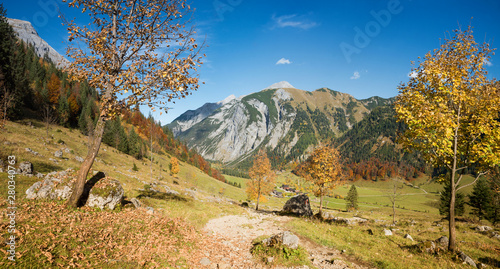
(356, 75)
(283, 61)
(293, 21)
(487, 63)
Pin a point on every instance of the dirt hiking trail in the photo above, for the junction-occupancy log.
(229, 240)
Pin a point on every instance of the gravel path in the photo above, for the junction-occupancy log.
(229, 239)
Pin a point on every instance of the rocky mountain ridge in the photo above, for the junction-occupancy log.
(280, 118)
(25, 31)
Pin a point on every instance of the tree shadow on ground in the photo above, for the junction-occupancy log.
(490, 261)
(161, 196)
(88, 186)
(45, 167)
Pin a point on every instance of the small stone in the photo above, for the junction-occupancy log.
(387, 232)
(136, 202)
(443, 241)
(150, 211)
(205, 261)
(58, 154)
(466, 259)
(25, 168)
(408, 236)
(79, 159)
(270, 260)
(483, 228)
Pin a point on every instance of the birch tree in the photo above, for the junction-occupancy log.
(134, 52)
(452, 111)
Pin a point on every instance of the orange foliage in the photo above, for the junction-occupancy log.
(54, 88)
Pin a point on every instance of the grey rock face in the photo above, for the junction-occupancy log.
(25, 168)
(58, 154)
(56, 185)
(106, 193)
(284, 238)
(79, 159)
(25, 31)
(298, 205)
(59, 185)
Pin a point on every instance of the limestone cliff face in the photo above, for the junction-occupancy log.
(280, 118)
(25, 31)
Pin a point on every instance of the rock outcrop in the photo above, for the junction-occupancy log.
(55, 185)
(99, 191)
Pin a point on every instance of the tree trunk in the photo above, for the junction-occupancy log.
(81, 177)
(258, 197)
(451, 242)
(394, 204)
(394, 212)
(320, 204)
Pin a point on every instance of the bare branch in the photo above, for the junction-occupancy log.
(473, 182)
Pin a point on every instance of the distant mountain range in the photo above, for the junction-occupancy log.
(25, 31)
(282, 119)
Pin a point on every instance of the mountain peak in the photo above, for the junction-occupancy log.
(25, 31)
(227, 100)
(281, 85)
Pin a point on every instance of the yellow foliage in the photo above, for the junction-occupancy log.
(261, 178)
(174, 166)
(324, 171)
(450, 107)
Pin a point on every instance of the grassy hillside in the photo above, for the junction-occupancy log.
(46, 239)
(54, 236)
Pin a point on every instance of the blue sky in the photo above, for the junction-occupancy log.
(363, 48)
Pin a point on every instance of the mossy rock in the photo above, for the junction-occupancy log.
(107, 192)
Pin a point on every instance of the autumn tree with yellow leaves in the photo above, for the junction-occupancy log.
(134, 52)
(452, 111)
(261, 178)
(174, 166)
(323, 169)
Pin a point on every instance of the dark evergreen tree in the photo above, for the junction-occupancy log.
(352, 199)
(63, 111)
(134, 142)
(444, 202)
(6, 46)
(480, 199)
